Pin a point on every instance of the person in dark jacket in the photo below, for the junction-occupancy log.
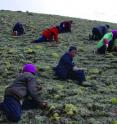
(66, 68)
(49, 34)
(98, 32)
(17, 95)
(18, 29)
(65, 26)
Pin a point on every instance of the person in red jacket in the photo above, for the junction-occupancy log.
(48, 35)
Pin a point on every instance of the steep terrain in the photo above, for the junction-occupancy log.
(69, 103)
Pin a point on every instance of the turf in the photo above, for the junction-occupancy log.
(69, 102)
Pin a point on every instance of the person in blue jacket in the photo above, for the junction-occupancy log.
(66, 68)
(18, 29)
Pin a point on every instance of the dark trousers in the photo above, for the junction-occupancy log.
(41, 39)
(101, 50)
(30, 104)
(78, 75)
(96, 35)
(74, 75)
(110, 46)
(13, 109)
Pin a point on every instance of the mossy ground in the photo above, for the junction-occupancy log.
(93, 104)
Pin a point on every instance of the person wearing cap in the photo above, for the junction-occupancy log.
(66, 68)
(65, 26)
(107, 43)
(48, 35)
(18, 29)
(16, 96)
(99, 31)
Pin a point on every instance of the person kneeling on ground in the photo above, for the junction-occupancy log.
(98, 32)
(18, 29)
(66, 68)
(107, 43)
(48, 35)
(65, 26)
(17, 94)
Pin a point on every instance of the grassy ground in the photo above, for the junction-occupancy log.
(69, 103)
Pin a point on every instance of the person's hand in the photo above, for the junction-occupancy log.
(43, 105)
(39, 87)
(75, 68)
(106, 45)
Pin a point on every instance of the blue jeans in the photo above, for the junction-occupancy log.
(78, 75)
(41, 39)
(12, 108)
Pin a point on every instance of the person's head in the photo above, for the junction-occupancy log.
(107, 26)
(72, 51)
(30, 68)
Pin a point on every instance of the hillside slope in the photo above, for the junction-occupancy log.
(89, 105)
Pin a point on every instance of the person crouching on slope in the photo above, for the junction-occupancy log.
(66, 68)
(107, 42)
(17, 94)
(65, 26)
(98, 32)
(48, 35)
(18, 29)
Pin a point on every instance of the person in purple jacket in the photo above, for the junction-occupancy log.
(113, 42)
(16, 96)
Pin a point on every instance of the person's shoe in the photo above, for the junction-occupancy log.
(86, 84)
(33, 41)
(2, 117)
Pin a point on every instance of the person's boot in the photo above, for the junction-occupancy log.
(85, 84)
(2, 116)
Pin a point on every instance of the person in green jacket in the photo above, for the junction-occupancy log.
(108, 42)
(105, 43)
